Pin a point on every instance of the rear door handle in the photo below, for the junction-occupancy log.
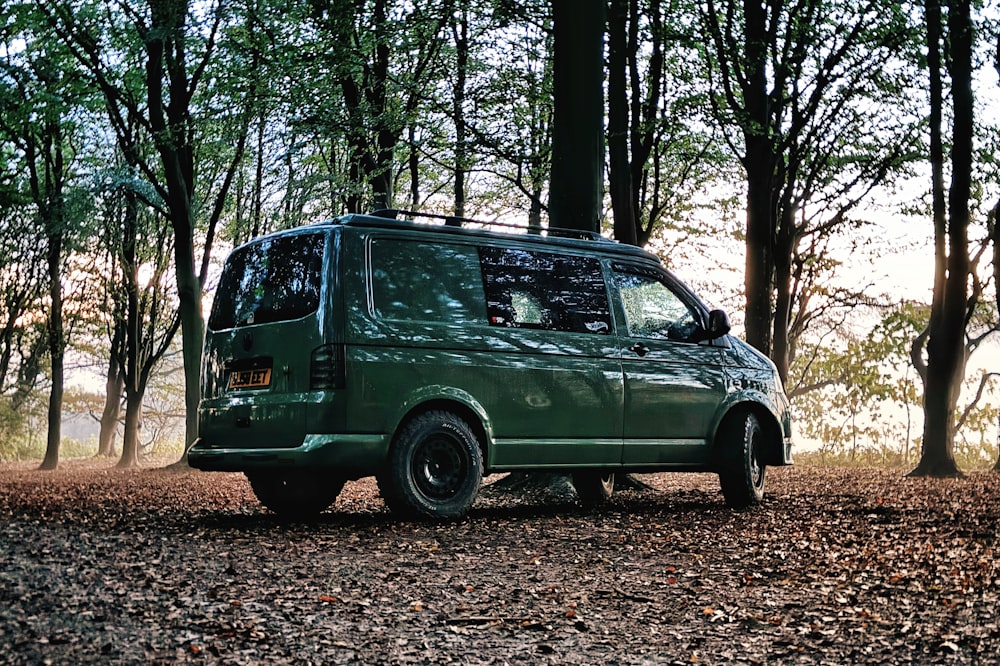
(639, 349)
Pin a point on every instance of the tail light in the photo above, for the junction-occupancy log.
(326, 371)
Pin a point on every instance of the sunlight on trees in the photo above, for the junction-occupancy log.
(139, 140)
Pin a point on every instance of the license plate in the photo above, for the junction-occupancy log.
(242, 379)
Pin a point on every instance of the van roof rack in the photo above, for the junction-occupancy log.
(455, 221)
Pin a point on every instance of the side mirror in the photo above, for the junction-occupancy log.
(718, 325)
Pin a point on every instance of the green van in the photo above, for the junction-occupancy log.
(430, 354)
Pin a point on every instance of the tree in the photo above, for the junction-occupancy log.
(993, 227)
(381, 57)
(512, 126)
(45, 99)
(577, 183)
(949, 306)
(812, 96)
(662, 155)
(156, 38)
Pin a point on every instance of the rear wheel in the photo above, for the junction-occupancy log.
(741, 471)
(593, 486)
(296, 493)
(435, 467)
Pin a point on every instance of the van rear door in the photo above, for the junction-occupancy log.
(265, 328)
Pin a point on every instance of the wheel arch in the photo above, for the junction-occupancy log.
(470, 412)
(774, 449)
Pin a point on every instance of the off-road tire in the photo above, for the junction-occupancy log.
(296, 493)
(741, 468)
(435, 468)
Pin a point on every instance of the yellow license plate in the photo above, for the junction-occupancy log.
(241, 379)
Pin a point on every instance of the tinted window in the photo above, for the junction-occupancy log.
(544, 290)
(413, 281)
(276, 279)
(652, 310)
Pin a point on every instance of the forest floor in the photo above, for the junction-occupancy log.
(838, 566)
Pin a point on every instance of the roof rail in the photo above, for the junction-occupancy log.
(454, 221)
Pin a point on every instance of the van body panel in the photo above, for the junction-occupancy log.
(353, 456)
(268, 416)
(533, 453)
(672, 394)
(523, 395)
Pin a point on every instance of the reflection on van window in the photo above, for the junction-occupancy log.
(414, 281)
(652, 310)
(544, 290)
(272, 280)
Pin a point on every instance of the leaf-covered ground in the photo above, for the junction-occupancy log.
(837, 567)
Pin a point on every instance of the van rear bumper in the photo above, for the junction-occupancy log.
(357, 455)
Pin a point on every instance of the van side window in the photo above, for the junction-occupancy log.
(544, 290)
(415, 281)
(652, 310)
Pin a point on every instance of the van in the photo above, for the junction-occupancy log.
(430, 355)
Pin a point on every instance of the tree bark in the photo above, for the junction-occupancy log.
(170, 120)
(133, 425)
(759, 166)
(56, 350)
(577, 181)
(619, 174)
(460, 33)
(114, 388)
(946, 342)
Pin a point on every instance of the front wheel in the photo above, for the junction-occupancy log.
(593, 486)
(741, 471)
(296, 493)
(435, 467)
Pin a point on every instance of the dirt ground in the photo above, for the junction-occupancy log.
(836, 567)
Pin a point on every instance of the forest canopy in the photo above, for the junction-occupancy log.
(784, 157)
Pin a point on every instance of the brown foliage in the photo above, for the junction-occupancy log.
(837, 566)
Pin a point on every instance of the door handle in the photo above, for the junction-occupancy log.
(639, 349)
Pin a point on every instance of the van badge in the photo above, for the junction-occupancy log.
(247, 341)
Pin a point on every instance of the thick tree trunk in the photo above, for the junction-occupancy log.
(946, 342)
(577, 182)
(170, 120)
(759, 166)
(133, 425)
(192, 328)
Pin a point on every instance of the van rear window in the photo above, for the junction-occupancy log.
(277, 279)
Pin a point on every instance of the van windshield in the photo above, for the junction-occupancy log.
(276, 279)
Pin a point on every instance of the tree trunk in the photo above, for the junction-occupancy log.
(620, 173)
(192, 328)
(133, 424)
(782, 258)
(576, 184)
(759, 166)
(56, 352)
(114, 387)
(996, 466)
(171, 124)
(946, 343)
(413, 166)
(460, 33)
